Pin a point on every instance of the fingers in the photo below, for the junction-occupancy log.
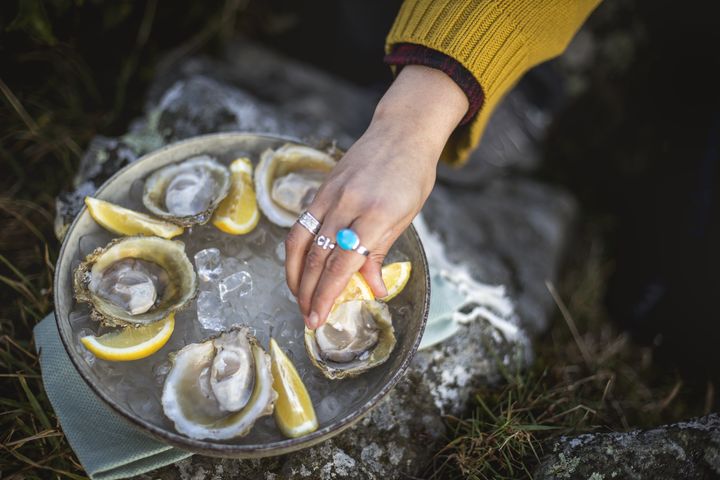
(340, 265)
(372, 272)
(297, 244)
(314, 262)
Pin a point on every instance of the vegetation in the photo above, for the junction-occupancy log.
(60, 86)
(588, 377)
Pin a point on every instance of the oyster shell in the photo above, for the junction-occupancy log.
(135, 280)
(217, 389)
(287, 179)
(188, 192)
(357, 336)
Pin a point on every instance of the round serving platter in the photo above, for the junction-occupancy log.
(410, 310)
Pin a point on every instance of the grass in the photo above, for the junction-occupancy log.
(42, 160)
(31, 444)
(588, 376)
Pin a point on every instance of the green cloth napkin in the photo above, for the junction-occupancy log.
(445, 300)
(107, 445)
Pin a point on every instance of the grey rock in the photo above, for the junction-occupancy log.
(513, 232)
(200, 105)
(682, 450)
(295, 87)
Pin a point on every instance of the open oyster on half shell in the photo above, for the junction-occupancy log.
(217, 389)
(287, 179)
(188, 192)
(135, 280)
(357, 336)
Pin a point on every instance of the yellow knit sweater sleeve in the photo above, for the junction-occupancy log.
(496, 40)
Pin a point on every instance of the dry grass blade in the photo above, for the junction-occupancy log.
(38, 465)
(570, 323)
(19, 109)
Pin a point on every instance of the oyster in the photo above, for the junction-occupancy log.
(135, 280)
(188, 192)
(357, 336)
(287, 179)
(217, 389)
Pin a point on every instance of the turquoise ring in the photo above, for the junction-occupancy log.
(348, 240)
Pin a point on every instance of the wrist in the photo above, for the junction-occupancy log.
(422, 103)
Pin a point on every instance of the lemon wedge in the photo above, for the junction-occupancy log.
(131, 343)
(238, 212)
(294, 412)
(395, 276)
(356, 289)
(124, 221)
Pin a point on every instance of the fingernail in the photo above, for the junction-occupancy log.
(312, 321)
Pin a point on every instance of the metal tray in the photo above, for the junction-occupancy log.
(225, 147)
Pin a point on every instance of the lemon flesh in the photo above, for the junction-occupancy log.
(294, 412)
(131, 343)
(124, 221)
(356, 289)
(238, 213)
(395, 276)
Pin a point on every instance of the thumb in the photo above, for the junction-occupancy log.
(372, 272)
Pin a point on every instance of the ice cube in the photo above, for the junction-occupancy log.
(256, 239)
(87, 355)
(161, 370)
(264, 322)
(286, 293)
(90, 242)
(232, 265)
(329, 407)
(144, 403)
(280, 252)
(79, 317)
(238, 284)
(209, 311)
(208, 264)
(284, 330)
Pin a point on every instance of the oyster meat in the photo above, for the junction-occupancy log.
(287, 179)
(357, 336)
(135, 280)
(217, 389)
(188, 192)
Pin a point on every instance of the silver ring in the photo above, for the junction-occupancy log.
(310, 223)
(324, 242)
(362, 250)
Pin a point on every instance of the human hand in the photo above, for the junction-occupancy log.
(376, 189)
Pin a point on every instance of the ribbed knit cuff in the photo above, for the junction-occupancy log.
(410, 54)
(479, 34)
